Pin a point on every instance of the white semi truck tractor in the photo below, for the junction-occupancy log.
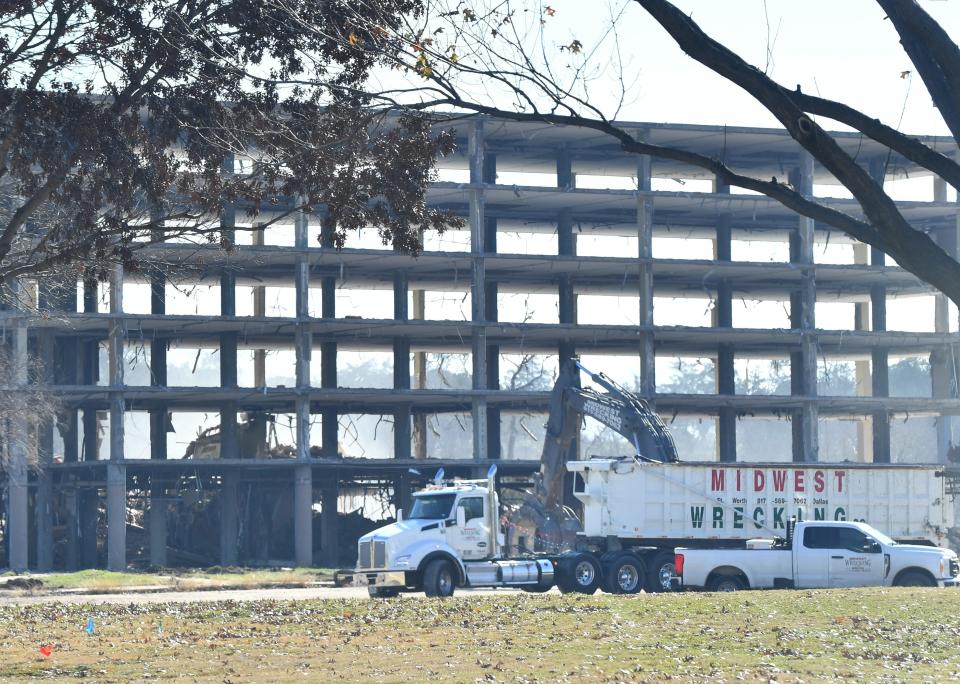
(635, 509)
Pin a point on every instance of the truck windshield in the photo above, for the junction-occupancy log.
(431, 507)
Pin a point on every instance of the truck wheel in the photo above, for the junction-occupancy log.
(625, 575)
(579, 572)
(383, 592)
(726, 583)
(659, 572)
(438, 579)
(914, 578)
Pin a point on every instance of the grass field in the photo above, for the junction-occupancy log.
(854, 635)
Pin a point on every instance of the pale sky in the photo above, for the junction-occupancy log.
(839, 49)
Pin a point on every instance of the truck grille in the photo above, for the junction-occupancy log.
(363, 555)
(379, 554)
(954, 567)
(371, 556)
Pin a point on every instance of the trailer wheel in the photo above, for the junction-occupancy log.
(660, 571)
(383, 592)
(915, 578)
(579, 572)
(625, 575)
(438, 579)
(725, 583)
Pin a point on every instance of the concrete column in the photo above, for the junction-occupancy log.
(420, 381)
(329, 522)
(229, 441)
(880, 361)
(565, 176)
(328, 351)
(401, 369)
(157, 522)
(229, 518)
(648, 381)
(116, 471)
(861, 255)
(491, 315)
(259, 311)
(478, 289)
(71, 507)
(402, 492)
(43, 501)
(67, 372)
(18, 510)
(802, 307)
(90, 372)
(89, 514)
(726, 384)
(303, 474)
(943, 364)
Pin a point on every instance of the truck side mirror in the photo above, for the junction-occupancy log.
(461, 516)
(399, 515)
(872, 547)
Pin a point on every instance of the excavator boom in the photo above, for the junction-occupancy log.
(619, 409)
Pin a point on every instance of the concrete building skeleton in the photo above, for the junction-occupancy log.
(73, 493)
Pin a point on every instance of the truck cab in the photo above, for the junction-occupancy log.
(819, 555)
(451, 537)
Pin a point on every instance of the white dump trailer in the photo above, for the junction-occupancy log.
(635, 514)
(710, 504)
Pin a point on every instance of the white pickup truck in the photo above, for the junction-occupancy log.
(818, 555)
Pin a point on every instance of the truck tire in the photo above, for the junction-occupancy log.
(383, 592)
(579, 572)
(914, 578)
(726, 583)
(627, 574)
(660, 570)
(438, 579)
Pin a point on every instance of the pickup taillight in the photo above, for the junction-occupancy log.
(678, 564)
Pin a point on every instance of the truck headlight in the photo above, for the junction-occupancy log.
(943, 567)
(401, 561)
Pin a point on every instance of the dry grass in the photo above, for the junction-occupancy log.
(855, 635)
(99, 581)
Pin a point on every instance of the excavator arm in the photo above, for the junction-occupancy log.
(617, 408)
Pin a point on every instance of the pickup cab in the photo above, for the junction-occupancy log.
(818, 555)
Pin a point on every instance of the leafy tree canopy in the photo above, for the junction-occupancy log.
(125, 122)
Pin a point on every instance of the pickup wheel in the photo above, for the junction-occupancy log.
(383, 592)
(578, 572)
(914, 578)
(726, 583)
(625, 575)
(438, 579)
(660, 571)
